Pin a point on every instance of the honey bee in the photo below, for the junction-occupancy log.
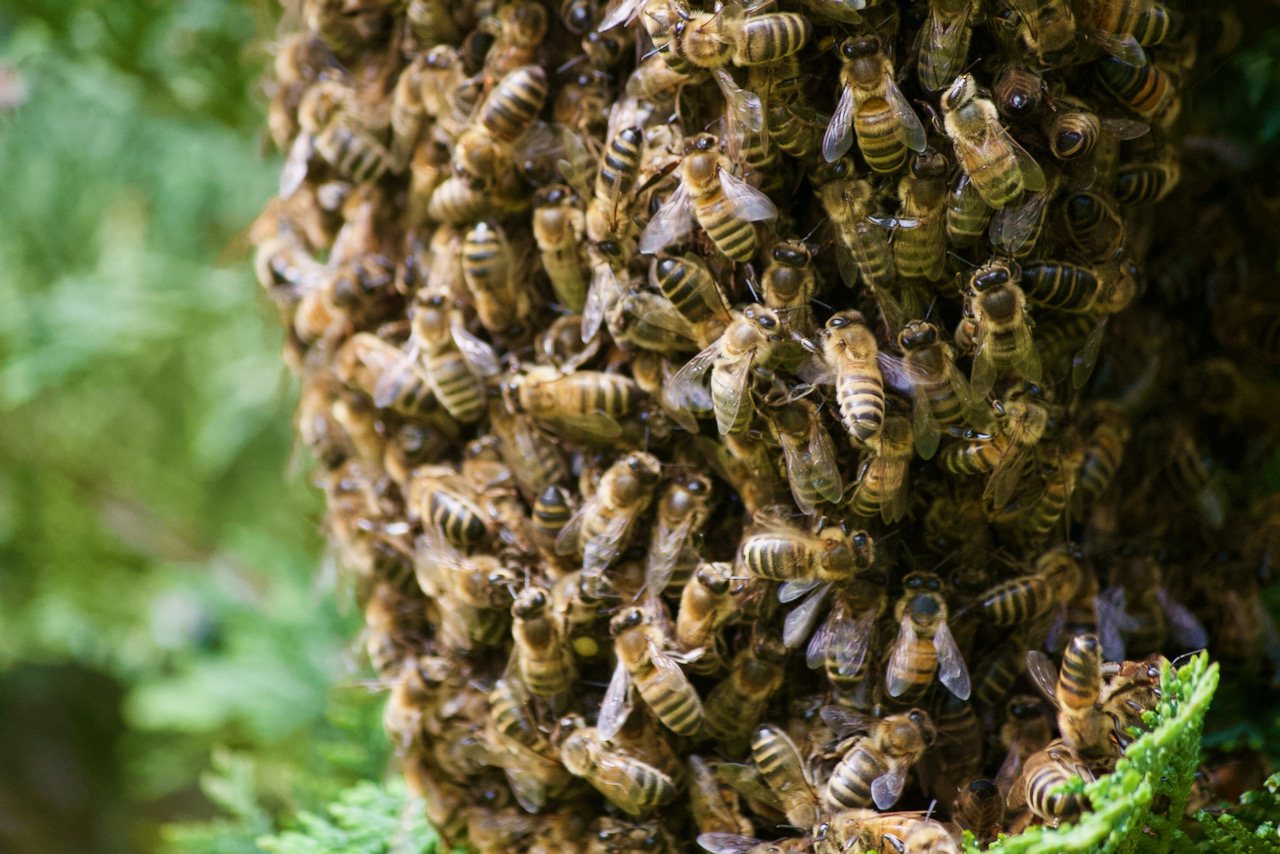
(864, 829)
(633, 786)
(924, 645)
(485, 146)
(967, 213)
(1132, 690)
(454, 362)
(1114, 25)
(941, 395)
(444, 500)
(345, 133)
(583, 405)
(602, 526)
(864, 243)
(920, 241)
(944, 42)
(694, 293)
(851, 363)
(746, 343)
(999, 169)
(724, 205)
(1044, 28)
(492, 274)
(794, 126)
(364, 359)
(788, 284)
(534, 458)
(808, 453)
(979, 809)
(477, 590)
(1081, 137)
(841, 643)
(709, 600)
(1075, 690)
(681, 513)
(559, 227)
(1143, 88)
(545, 665)
(873, 108)
(881, 482)
(733, 708)
(1030, 597)
(714, 806)
(642, 663)
(999, 308)
(874, 766)
(1043, 775)
(784, 778)
(729, 34)
(1147, 182)
(459, 200)
(1021, 422)
(780, 552)
(518, 29)
(1018, 91)
(732, 843)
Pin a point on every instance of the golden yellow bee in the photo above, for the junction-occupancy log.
(654, 672)
(809, 454)
(874, 766)
(851, 363)
(1020, 423)
(484, 148)
(944, 42)
(734, 706)
(1043, 775)
(924, 646)
(681, 513)
(781, 777)
(541, 653)
(559, 227)
(779, 551)
(999, 309)
(940, 392)
(344, 131)
(633, 786)
(729, 34)
(873, 108)
(882, 479)
(584, 405)
(864, 829)
(603, 525)
(999, 169)
(1075, 690)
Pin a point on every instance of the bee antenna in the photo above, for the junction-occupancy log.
(964, 261)
(571, 63)
(820, 303)
(814, 230)
(931, 305)
(929, 812)
(748, 279)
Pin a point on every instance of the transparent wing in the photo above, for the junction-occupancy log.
(295, 164)
(527, 789)
(1015, 229)
(887, 788)
(1187, 630)
(852, 642)
(727, 843)
(744, 115)
(1123, 46)
(1007, 475)
(687, 392)
(910, 129)
(479, 355)
(1044, 674)
(1112, 622)
(1033, 180)
(924, 425)
(823, 470)
(846, 722)
(669, 672)
(617, 703)
(601, 294)
(567, 539)
(946, 39)
(838, 139)
(1010, 771)
(976, 411)
(746, 201)
(790, 591)
(747, 781)
(952, 671)
(900, 659)
(621, 12)
(736, 376)
(658, 311)
(391, 382)
(798, 470)
(604, 548)
(894, 505)
(1082, 362)
(799, 623)
(815, 654)
(664, 552)
(984, 368)
(577, 166)
(1026, 360)
(671, 224)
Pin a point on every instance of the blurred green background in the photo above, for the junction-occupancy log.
(166, 652)
(174, 673)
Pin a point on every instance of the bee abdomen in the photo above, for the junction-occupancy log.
(679, 710)
(459, 390)
(877, 132)
(861, 400)
(457, 520)
(515, 103)
(850, 783)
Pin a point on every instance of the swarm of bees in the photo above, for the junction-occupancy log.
(732, 414)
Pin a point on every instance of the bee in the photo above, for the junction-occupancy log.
(864, 242)
(551, 510)
(1092, 224)
(518, 29)
(559, 227)
(491, 274)
(860, 829)
(809, 455)
(999, 308)
(733, 708)
(999, 169)
(1075, 690)
(346, 30)
(583, 404)
(873, 108)
(364, 359)
(778, 551)
(546, 666)
(789, 283)
(1115, 23)
(445, 500)
(1018, 91)
(941, 394)
(694, 293)
(920, 241)
(1143, 88)
(633, 786)
(724, 205)
(1059, 475)
(1078, 135)
(924, 645)
(1044, 28)
(459, 200)
(930, 837)
(729, 34)
(708, 601)
(1043, 775)
(1022, 600)
(1147, 182)
(602, 526)
(334, 125)
(746, 343)
(713, 805)
(793, 125)
(943, 48)
(642, 663)
(874, 766)
(967, 213)
(1104, 452)
(454, 362)
(733, 843)
(784, 777)
(534, 458)
(881, 483)
(850, 362)
(682, 512)
(475, 592)
(1155, 617)
(1132, 690)
(485, 146)
(841, 643)
(1024, 733)
(1021, 422)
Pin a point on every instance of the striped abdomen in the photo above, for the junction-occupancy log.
(850, 781)
(876, 126)
(459, 520)
(860, 395)
(736, 238)
(1080, 678)
(512, 107)
(975, 457)
(1016, 601)
(776, 557)
(459, 391)
(676, 704)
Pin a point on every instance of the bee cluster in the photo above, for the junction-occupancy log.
(676, 397)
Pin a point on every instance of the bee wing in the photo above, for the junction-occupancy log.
(952, 671)
(737, 376)
(744, 114)
(577, 165)
(823, 470)
(669, 671)
(658, 311)
(816, 371)
(976, 411)
(1045, 676)
(664, 551)
(790, 591)
(945, 37)
(1187, 630)
(838, 139)
(602, 549)
(601, 295)
(671, 224)
(567, 539)
(798, 470)
(1125, 128)
(617, 703)
(1123, 46)
(845, 722)
(1007, 475)
(924, 424)
(815, 654)
(1033, 180)
(799, 623)
(1026, 360)
(295, 164)
(1082, 363)
(1014, 229)
(852, 641)
(747, 781)
(900, 658)
(887, 788)
(479, 355)
(746, 202)
(528, 790)
(687, 392)
(910, 129)
(727, 843)
(1112, 620)
(1010, 771)
(621, 12)
(393, 377)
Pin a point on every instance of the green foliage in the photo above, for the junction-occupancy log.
(366, 819)
(1253, 827)
(1138, 807)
